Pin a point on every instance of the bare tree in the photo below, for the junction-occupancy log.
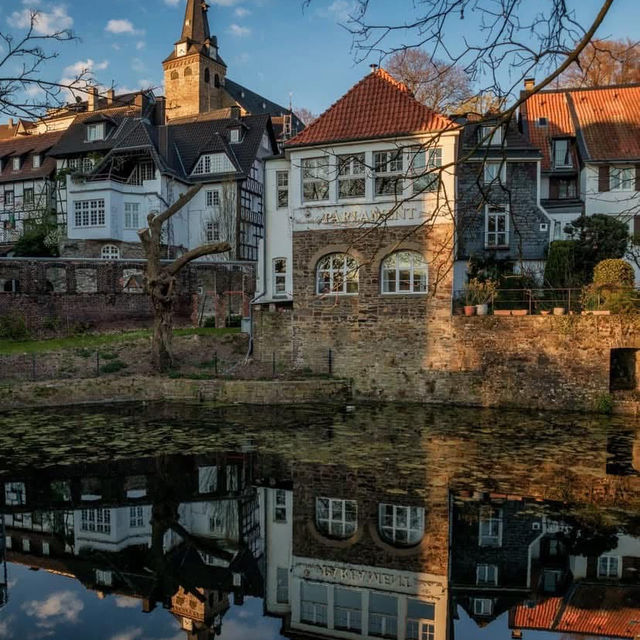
(604, 62)
(24, 92)
(441, 87)
(160, 280)
(306, 115)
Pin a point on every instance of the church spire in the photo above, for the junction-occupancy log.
(196, 23)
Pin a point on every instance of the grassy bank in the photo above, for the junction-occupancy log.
(92, 341)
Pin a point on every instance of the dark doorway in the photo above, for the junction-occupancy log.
(622, 372)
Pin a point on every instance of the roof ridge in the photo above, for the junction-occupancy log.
(602, 87)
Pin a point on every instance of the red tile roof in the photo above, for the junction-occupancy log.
(25, 147)
(541, 616)
(606, 121)
(377, 107)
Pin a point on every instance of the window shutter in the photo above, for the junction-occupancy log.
(553, 190)
(637, 177)
(603, 178)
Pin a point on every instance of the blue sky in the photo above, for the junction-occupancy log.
(271, 46)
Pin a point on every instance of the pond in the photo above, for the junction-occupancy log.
(188, 522)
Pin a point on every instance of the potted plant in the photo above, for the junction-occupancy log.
(478, 294)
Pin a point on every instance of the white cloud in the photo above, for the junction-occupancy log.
(45, 22)
(241, 12)
(58, 608)
(4, 627)
(237, 30)
(141, 44)
(129, 634)
(121, 26)
(125, 602)
(226, 3)
(173, 3)
(85, 66)
(338, 10)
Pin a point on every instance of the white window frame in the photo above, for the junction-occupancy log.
(212, 198)
(315, 174)
(31, 192)
(110, 252)
(423, 179)
(136, 517)
(212, 231)
(104, 577)
(482, 606)
(491, 237)
(312, 612)
(9, 198)
(280, 506)
(391, 265)
(279, 277)
(610, 563)
(352, 170)
(352, 618)
(487, 574)
(420, 629)
(36, 160)
(96, 521)
(15, 163)
(15, 493)
(95, 131)
(89, 213)
(619, 183)
(282, 189)
(489, 516)
(388, 168)
(234, 135)
(213, 163)
(132, 215)
(498, 175)
(340, 278)
(282, 585)
(395, 529)
(325, 524)
(491, 135)
(565, 160)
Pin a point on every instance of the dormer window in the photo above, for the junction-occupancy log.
(95, 132)
(36, 160)
(562, 158)
(491, 135)
(234, 135)
(213, 163)
(15, 163)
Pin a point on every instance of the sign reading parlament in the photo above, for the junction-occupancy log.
(364, 216)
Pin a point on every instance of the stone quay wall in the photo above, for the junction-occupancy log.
(410, 347)
(58, 294)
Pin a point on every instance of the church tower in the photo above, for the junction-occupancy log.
(194, 73)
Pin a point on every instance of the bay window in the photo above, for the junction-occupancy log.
(89, 213)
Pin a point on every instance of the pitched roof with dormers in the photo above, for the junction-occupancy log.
(604, 120)
(377, 107)
(25, 147)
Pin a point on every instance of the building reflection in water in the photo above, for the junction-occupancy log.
(345, 550)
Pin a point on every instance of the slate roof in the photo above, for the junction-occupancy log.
(26, 146)
(604, 120)
(254, 103)
(376, 107)
(516, 144)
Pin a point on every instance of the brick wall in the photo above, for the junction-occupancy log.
(61, 293)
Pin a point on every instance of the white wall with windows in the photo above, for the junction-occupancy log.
(111, 528)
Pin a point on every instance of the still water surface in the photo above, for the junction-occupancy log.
(169, 522)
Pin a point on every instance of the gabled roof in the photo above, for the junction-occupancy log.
(604, 120)
(23, 145)
(376, 107)
(515, 143)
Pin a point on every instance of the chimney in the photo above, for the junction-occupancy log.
(234, 112)
(374, 67)
(92, 99)
(111, 97)
(139, 101)
(10, 123)
(529, 83)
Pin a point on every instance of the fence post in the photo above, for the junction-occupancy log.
(215, 363)
(569, 305)
(33, 366)
(530, 302)
(330, 363)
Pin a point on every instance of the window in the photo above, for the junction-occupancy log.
(351, 172)
(26, 545)
(608, 567)
(131, 215)
(313, 604)
(188, 72)
(207, 479)
(491, 135)
(45, 549)
(621, 178)
(404, 272)
(495, 172)
(337, 273)
(282, 586)
(490, 528)
(213, 163)
(96, 520)
(95, 132)
(27, 196)
(282, 189)
(482, 606)
(420, 616)
(104, 578)
(212, 198)
(383, 615)
(279, 276)
(15, 163)
(280, 506)
(496, 227)
(136, 517)
(87, 165)
(11, 286)
(147, 171)
(234, 136)
(14, 493)
(486, 574)
(8, 198)
(74, 163)
(562, 154)
(389, 166)
(175, 75)
(213, 231)
(35, 160)
(110, 252)
(347, 610)
(566, 188)
(207, 76)
(89, 213)
(401, 525)
(426, 176)
(315, 179)
(336, 518)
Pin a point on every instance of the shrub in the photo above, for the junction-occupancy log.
(614, 272)
(622, 301)
(604, 403)
(14, 327)
(113, 367)
(559, 270)
(34, 243)
(210, 322)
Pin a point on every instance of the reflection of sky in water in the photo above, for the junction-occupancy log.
(43, 605)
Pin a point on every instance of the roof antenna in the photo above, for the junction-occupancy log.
(374, 67)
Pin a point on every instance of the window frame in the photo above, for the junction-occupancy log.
(279, 277)
(393, 175)
(482, 574)
(212, 231)
(133, 214)
(91, 215)
(485, 609)
(492, 135)
(352, 168)
(9, 198)
(384, 281)
(212, 198)
(421, 162)
(96, 521)
(345, 273)
(280, 506)
(311, 170)
(487, 212)
(136, 517)
(609, 559)
(28, 200)
(353, 616)
(568, 155)
(324, 525)
(95, 132)
(282, 190)
(107, 252)
(495, 515)
(16, 163)
(501, 175)
(621, 184)
(390, 532)
(36, 161)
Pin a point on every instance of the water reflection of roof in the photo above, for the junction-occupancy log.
(600, 610)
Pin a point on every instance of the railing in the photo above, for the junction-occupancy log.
(543, 301)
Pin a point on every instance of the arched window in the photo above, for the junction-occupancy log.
(175, 75)
(216, 81)
(336, 518)
(110, 252)
(337, 273)
(405, 272)
(207, 76)
(11, 286)
(401, 525)
(188, 72)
